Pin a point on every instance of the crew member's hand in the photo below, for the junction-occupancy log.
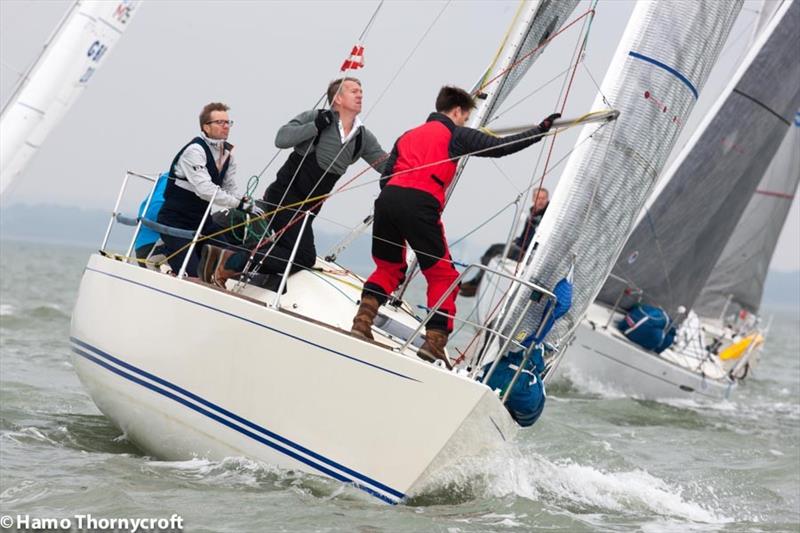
(547, 123)
(248, 205)
(324, 119)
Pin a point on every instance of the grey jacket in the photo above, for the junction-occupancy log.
(299, 133)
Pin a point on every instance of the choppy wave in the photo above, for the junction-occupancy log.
(47, 312)
(244, 473)
(580, 489)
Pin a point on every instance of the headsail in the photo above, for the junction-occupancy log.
(69, 60)
(535, 22)
(742, 267)
(661, 64)
(673, 249)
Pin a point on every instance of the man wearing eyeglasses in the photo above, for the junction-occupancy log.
(201, 168)
(325, 143)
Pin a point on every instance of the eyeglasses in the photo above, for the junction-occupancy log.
(228, 123)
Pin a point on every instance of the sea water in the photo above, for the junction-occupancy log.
(593, 462)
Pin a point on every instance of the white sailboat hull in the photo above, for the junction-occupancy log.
(186, 370)
(604, 360)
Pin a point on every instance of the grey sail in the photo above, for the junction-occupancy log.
(670, 254)
(661, 64)
(737, 281)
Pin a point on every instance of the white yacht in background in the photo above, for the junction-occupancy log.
(711, 197)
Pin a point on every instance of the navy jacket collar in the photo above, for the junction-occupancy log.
(444, 119)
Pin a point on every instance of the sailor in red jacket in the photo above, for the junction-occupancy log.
(420, 169)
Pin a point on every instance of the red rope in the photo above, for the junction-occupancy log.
(580, 51)
(526, 56)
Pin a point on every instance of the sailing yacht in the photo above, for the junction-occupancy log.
(69, 59)
(187, 369)
(672, 253)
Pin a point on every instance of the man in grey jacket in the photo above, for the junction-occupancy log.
(325, 142)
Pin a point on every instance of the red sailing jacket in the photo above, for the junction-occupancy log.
(423, 160)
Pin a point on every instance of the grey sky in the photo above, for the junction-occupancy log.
(271, 60)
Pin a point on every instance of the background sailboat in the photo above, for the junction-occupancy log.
(669, 256)
(70, 58)
(737, 280)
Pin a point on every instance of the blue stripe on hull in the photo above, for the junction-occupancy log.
(97, 356)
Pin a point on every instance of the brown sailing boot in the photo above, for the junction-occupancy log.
(221, 274)
(362, 322)
(433, 347)
(209, 258)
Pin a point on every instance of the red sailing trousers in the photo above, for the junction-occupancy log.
(406, 215)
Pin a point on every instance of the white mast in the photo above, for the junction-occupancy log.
(57, 78)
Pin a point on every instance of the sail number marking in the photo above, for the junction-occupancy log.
(123, 11)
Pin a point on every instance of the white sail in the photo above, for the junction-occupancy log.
(672, 251)
(660, 66)
(71, 57)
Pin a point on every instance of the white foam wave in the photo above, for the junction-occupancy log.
(635, 490)
(569, 485)
(591, 385)
(229, 471)
(27, 491)
(7, 310)
(27, 434)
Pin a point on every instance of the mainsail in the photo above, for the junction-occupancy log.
(674, 247)
(738, 277)
(659, 67)
(70, 58)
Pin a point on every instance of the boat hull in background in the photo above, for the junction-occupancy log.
(603, 360)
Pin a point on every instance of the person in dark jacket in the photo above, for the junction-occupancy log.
(517, 248)
(325, 143)
(203, 167)
(421, 167)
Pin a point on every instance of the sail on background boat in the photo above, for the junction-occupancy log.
(660, 65)
(70, 58)
(741, 270)
(674, 247)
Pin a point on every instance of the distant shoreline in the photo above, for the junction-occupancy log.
(84, 229)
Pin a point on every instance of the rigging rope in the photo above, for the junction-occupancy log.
(407, 60)
(343, 188)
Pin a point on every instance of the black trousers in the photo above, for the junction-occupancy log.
(288, 222)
